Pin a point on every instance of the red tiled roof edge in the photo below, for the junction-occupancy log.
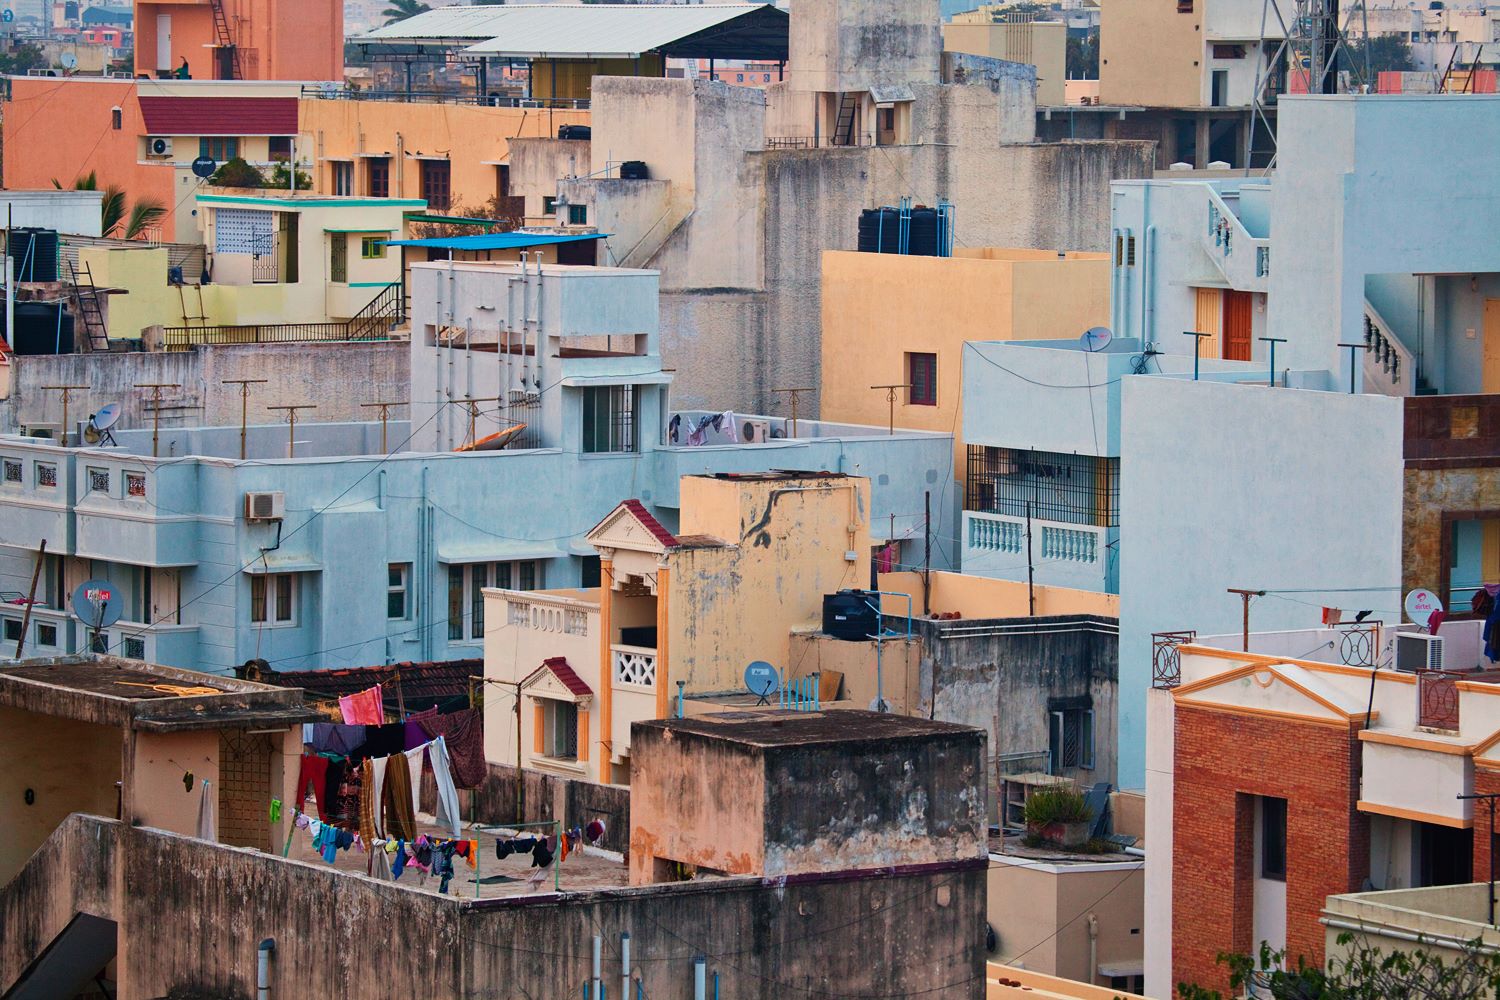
(213, 116)
(650, 523)
(564, 673)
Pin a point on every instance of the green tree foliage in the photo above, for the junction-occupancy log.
(1363, 972)
(115, 219)
(1083, 57)
(236, 173)
(400, 10)
(1388, 53)
(22, 59)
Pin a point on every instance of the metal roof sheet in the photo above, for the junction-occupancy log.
(592, 31)
(219, 115)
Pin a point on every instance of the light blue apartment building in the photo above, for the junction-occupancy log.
(340, 554)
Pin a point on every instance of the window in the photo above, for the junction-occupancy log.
(273, 598)
(1070, 740)
(338, 258)
(397, 575)
(116, 118)
(466, 591)
(1229, 52)
(609, 419)
(46, 475)
(590, 573)
(134, 647)
(219, 148)
(281, 147)
(578, 215)
(549, 205)
(46, 635)
(13, 474)
(765, 77)
(99, 643)
(343, 177)
(435, 175)
(99, 481)
(372, 247)
(1077, 489)
(560, 730)
(1184, 6)
(1273, 839)
(135, 485)
(921, 376)
(739, 78)
(502, 180)
(12, 630)
(378, 177)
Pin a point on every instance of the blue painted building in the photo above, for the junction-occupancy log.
(339, 554)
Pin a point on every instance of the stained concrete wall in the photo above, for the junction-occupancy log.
(1005, 676)
(337, 377)
(340, 934)
(1039, 912)
(839, 45)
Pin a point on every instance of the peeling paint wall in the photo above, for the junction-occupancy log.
(343, 935)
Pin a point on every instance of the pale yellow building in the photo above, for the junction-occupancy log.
(1183, 53)
(991, 31)
(890, 319)
(1012, 982)
(681, 611)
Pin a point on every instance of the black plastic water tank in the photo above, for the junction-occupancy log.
(575, 132)
(922, 240)
(634, 170)
(41, 328)
(851, 615)
(880, 230)
(34, 253)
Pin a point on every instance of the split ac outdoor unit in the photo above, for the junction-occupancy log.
(51, 431)
(158, 147)
(268, 506)
(1417, 651)
(755, 431)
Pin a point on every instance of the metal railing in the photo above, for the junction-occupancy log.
(1359, 643)
(1166, 659)
(372, 323)
(445, 97)
(1437, 699)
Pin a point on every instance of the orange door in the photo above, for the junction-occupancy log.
(1236, 331)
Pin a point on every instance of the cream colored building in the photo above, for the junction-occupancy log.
(987, 31)
(1182, 54)
(677, 613)
(905, 321)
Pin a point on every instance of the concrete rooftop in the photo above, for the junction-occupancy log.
(780, 728)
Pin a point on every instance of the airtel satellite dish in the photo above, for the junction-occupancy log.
(1096, 338)
(108, 416)
(98, 604)
(761, 679)
(1420, 604)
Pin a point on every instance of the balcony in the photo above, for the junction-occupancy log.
(1062, 554)
(52, 632)
(633, 666)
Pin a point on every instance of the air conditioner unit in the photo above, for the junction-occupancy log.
(1418, 651)
(158, 147)
(755, 431)
(49, 431)
(267, 506)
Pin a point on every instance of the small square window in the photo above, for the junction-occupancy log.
(12, 472)
(46, 475)
(921, 378)
(549, 205)
(135, 485)
(395, 590)
(372, 247)
(99, 481)
(99, 643)
(46, 635)
(578, 215)
(280, 147)
(134, 648)
(12, 630)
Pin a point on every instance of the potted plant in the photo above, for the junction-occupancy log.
(1059, 815)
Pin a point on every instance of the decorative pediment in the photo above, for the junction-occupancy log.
(556, 680)
(1281, 689)
(633, 528)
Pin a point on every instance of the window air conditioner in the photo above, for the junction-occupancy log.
(51, 431)
(268, 506)
(1418, 651)
(158, 147)
(755, 431)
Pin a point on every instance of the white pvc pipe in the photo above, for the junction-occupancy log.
(625, 966)
(263, 969)
(598, 966)
(700, 979)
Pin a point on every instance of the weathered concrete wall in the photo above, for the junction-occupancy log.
(1006, 676)
(709, 333)
(337, 377)
(839, 45)
(340, 934)
(546, 796)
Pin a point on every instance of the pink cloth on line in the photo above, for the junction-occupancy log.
(363, 709)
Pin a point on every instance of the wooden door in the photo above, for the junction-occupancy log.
(1491, 374)
(1209, 318)
(1236, 331)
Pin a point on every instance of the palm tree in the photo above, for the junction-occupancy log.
(400, 10)
(112, 208)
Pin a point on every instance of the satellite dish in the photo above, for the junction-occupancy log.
(204, 167)
(1420, 604)
(1096, 338)
(108, 416)
(98, 604)
(761, 679)
(68, 60)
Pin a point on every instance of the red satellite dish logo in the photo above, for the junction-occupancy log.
(98, 595)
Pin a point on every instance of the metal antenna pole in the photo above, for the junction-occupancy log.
(471, 404)
(890, 397)
(66, 390)
(385, 411)
(1197, 347)
(794, 393)
(291, 419)
(244, 384)
(1273, 341)
(156, 388)
(1245, 596)
(1352, 349)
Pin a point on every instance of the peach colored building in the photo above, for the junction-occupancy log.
(241, 39)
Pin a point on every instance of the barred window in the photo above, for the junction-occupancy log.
(99, 481)
(135, 485)
(134, 648)
(1074, 489)
(46, 475)
(12, 472)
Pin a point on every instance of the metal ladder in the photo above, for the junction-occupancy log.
(89, 312)
(226, 40)
(843, 132)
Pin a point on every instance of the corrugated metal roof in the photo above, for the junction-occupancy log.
(496, 241)
(220, 115)
(584, 31)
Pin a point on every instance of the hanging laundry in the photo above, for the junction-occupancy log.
(333, 737)
(463, 732)
(541, 855)
(364, 708)
(382, 741)
(1332, 616)
(443, 856)
(377, 789)
(594, 832)
(380, 866)
(400, 817)
(885, 561)
(447, 795)
(1491, 633)
(314, 773)
(275, 812)
(1482, 602)
(412, 733)
(730, 427)
(207, 826)
(398, 861)
(368, 802)
(1434, 620)
(414, 772)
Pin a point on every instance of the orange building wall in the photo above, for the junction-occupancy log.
(40, 148)
(277, 39)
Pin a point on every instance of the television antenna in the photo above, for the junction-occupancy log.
(98, 430)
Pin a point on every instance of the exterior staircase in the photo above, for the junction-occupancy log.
(224, 39)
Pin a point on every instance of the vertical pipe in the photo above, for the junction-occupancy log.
(597, 979)
(716, 985)
(263, 969)
(700, 976)
(625, 965)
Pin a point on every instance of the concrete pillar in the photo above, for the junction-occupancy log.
(663, 674)
(606, 665)
(1200, 154)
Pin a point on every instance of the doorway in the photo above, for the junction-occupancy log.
(1237, 324)
(164, 41)
(1445, 855)
(1491, 374)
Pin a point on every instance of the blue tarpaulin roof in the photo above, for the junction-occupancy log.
(496, 241)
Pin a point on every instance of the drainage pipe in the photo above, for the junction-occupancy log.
(263, 969)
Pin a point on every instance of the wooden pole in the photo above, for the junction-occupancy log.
(291, 418)
(66, 390)
(244, 384)
(156, 388)
(890, 397)
(385, 412)
(36, 574)
(1245, 596)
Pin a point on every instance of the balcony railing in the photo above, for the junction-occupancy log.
(1070, 544)
(334, 93)
(1437, 700)
(992, 534)
(633, 665)
(561, 615)
(373, 323)
(1166, 659)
